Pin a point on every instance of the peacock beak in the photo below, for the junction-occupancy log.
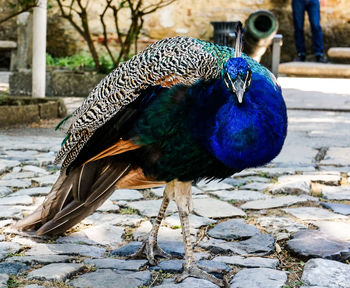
(239, 88)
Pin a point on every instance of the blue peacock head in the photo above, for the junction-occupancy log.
(237, 76)
(236, 72)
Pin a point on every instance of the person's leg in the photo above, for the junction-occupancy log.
(313, 10)
(298, 21)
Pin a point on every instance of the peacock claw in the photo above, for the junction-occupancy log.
(195, 271)
(151, 250)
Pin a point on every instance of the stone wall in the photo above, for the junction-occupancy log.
(192, 18)
(59, 83)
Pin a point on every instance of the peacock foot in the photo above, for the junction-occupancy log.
(151, 250)
(195, 271)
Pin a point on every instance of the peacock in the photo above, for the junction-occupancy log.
(180, 111)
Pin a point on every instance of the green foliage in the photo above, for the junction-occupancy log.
(127, 211)
(262, 174)
(175, 227)
(12, 282)
(294, 284)
(3, 99)
(80, 62)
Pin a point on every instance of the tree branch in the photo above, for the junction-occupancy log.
(105, 40)
(24, 9)
(157, 6)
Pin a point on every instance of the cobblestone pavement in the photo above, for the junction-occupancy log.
(284, 225)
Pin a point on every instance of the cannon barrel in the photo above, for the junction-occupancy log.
(261, 26)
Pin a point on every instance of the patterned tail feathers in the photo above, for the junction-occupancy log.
(71, 147)
(75, 197)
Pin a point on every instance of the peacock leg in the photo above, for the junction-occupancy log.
(150, 247)
(183, 199)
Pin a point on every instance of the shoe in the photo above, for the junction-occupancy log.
(321, 58)
(300, 58)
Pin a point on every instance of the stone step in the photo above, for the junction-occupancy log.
(313, 69)
(339, 52)
(4, 44)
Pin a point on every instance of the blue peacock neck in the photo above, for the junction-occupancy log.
(240, 135)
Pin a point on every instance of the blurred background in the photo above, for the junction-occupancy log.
(180, 17)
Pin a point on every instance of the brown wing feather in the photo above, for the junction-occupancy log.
(118, 148)
(79, 194)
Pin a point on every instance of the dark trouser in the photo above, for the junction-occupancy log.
(313, 10)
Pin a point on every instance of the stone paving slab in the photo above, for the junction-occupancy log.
(5, 190)
(337, 207)
(259, 277)
(249, 262)
(327, 273)
(313, 213)
(36, 191)
(3, 279)
(213, 185)
(55, 271)
(174, 248)
(234, 229)
(6, 165)
(213, 208)
(65, 249)
(16, 200)
(13, 268)
(4, 223)
(34, 143)
(126, 194)
(110, 263)
(46, 180)
(258, 186)
(291, 187)
(239, 195)
(297, 155)
(18, 175)
(106, 278)
(16, 183)
(260, 244)
(338, 230)
(165, 233)
(329, 179)
(10, 212)
(103, 234)
(195, 221)
(314, 244)
(40, 259)
(150, 208)
(189, 282)
(108, 206)
(7, 248)
(280, 227)
(335, 156)
(38, 171)
(176, 266)
(336, 192)
(113, 219)
(273, 202)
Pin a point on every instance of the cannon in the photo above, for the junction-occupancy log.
(261, 27)
(260, 32)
